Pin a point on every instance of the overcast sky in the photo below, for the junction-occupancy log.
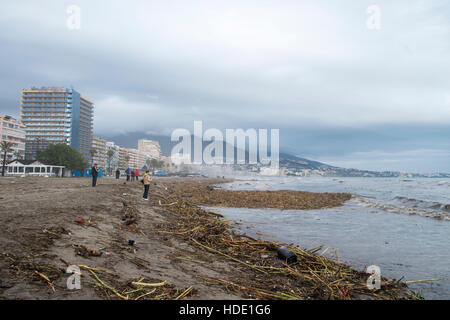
(338, 91)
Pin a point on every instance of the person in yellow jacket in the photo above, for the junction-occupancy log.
(146, 181)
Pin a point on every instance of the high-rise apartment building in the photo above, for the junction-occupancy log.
(13, 131)
(56, 115)
(113, 160)
(137, 159)
(124, 158)
(99, 145)
(150, 148)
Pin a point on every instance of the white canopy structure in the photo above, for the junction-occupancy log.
(33, 168)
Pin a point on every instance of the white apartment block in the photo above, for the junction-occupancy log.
(131, 158)
(113, 160)
(99, 145)
(12, 130)
(149, 148)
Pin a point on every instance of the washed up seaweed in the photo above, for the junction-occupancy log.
(30, 269)
(280, 199)
(312, 276)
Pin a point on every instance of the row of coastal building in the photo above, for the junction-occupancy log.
(52, 115)
(110, 156)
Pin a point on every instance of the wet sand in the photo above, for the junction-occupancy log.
(45, 222)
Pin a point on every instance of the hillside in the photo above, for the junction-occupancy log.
(292, 164)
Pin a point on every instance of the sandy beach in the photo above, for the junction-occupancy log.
(180, 251)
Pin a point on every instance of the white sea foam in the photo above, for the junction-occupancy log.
(410, 210)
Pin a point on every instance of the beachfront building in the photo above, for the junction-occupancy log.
(33, 168)
(131, 158)
(149, 148)
(99, 145)
(113, 160)
(56, 115)
(124, 158)
(167, 163)
(137, 159)
(13, 131)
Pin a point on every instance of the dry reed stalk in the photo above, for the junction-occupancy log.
(145, 294)
(229, 257)
(107, 287)
(82, 266)
(144, 284)
(43, 276)
(185, 293)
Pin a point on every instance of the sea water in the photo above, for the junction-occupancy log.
(400, 225)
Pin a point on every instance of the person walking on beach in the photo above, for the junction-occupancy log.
(94, 174)
(136, 173)
(128, 174)
(146, 181)
(133, 175)
(117, 174)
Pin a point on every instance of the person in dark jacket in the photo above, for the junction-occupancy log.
(133, 175)
(128, 174)
(94, 175)
(117, 174)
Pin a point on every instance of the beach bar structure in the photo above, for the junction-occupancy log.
(33, 168)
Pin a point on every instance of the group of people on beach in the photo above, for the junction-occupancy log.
(132, 175)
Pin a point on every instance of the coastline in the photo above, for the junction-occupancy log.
(190, 252)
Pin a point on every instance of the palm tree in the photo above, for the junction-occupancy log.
(5, 146)
(110, 154)
(154, 163)
(17, 155)
(92, 152)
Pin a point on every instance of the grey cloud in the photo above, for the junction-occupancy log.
(312, 70)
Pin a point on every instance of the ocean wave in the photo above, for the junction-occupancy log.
(423, 204)
(409, 210)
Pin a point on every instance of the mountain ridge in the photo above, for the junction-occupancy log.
(291, 163)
